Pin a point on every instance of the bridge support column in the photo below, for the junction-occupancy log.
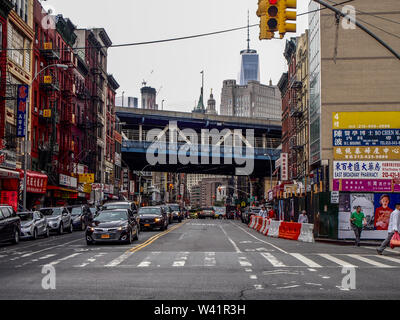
(264, 141)
(140, 132)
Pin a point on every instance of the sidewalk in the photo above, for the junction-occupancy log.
(372, 243)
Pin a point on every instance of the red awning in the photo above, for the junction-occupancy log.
(8, 174)
(36, 182)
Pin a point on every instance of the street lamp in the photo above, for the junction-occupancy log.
(140, 183)
(57, 65)
(270, 161)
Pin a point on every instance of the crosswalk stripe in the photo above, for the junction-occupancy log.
(305, 260)
(119, 260)
(63, 259)
(209, 260)
(182, 257)
(244, 262)
(369, 261)
(274, 261)
(389, 258)
(337, 261)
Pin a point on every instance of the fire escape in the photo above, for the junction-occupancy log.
(49, 116)
(296, 114)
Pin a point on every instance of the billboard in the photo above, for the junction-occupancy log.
(22, 97)
(366, 170)
(366, 185)
(366, 120)
(377, 208)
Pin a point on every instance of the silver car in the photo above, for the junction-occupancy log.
(33, 225)
(58, 219)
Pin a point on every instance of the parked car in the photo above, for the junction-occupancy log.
(176, 211)
(248, 212)
(58, 219)
(33, 225)
(81, 216)
(207, 213)
(112, 225)
(153, 217)
(10, 224)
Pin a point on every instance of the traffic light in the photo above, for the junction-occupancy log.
(268, 13)
(284, 15)
(273, 16)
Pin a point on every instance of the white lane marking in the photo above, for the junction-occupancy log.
(209, 259)
(47, 256)
(312, 270)
(248, 270)
(181, 237)
(258, 287)
(146, 262)
(305, 260)
(389, 258)
(119, 260)
(181, 259)
(369, 261)
(337, 261)
(288, 287)
(313, 284)
(274, 261)
(231, 241)
(50, 248)
(253, 277)
(62, 259)
(281, 250)
(244, 262)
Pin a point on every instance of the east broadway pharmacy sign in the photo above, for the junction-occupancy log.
(366, 170)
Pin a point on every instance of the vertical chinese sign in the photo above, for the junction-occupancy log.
(22, 98)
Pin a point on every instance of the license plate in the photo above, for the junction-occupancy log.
(147, 225)
(105, 236)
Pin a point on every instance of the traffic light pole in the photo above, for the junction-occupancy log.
(321, 2)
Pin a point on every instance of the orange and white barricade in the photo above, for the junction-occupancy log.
(253, 221)
(261, 224)
(265, 228)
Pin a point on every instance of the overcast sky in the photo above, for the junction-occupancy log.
(176, 66)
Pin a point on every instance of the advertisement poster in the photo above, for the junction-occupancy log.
(366, 120)
(366, 153)
(376, 207)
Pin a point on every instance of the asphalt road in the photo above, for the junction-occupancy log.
(193, 260)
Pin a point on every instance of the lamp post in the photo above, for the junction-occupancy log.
(270, 163)
(60, 66)
(140, 183)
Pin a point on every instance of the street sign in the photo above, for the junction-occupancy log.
(335, 197)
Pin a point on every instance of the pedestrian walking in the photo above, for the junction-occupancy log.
(357, 220)
(271, 213)
(394, 226)
(303, 218)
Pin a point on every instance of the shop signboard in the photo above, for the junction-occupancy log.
(284, 167)
(366, 120)
(366, 170)
(10, 198)
(366, 185)
(22, 97)
(376, 208)
(86, 178)
(68, 181)
(366, 138)
(367, 153)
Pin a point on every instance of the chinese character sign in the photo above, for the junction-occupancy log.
(366, 170)
(22, 98)
(366, 120)
(366, 138)
(366, 153)
(284, 167)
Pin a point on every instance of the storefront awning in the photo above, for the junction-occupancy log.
(36, 182)
(61, 189)
(8, 174)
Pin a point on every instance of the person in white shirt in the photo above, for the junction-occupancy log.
(263, 212)
(303, 218)
(394, 226)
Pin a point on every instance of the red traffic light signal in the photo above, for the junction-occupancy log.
(273, 1)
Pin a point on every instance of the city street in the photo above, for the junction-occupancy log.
(196, 259)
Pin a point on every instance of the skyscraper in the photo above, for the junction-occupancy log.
(250, 63)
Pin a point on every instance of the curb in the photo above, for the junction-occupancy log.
(349, 242)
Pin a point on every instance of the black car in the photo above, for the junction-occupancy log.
(133, 210)
(81, 216)
(112, 225)
(176, 211)
(153, 217)
(10, 224)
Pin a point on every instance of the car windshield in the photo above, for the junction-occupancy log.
(76, 211)
(55, 212)
(109, 206)
(111, 216)
(149, 211)
(174, 207)
(26, 216)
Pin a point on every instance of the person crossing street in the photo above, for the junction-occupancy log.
(357, 221)
(394, 226)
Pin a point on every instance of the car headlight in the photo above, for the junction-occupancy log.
(157, 219)
(91, 229)
(123, 228)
